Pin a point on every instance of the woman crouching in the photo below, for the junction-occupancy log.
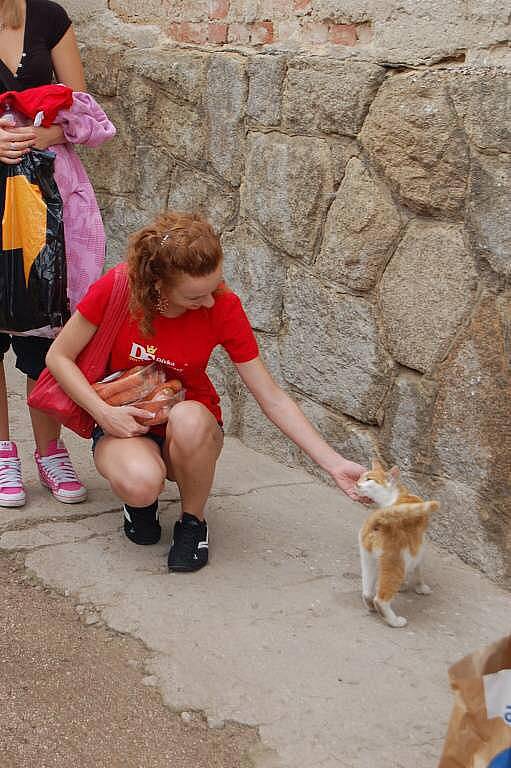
(180, 310)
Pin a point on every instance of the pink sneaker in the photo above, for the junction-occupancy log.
(12, 492)
(57, 473)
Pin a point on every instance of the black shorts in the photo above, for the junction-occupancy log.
(158, 439)
(98, 434)
(30, 352)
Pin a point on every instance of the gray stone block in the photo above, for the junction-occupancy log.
(181, 73)
(225, 100)
(413, 134)
(266, 79)
(405, 436)
(329, 96)
(287, 189)
(257, 273)
(361, 231)
(427, 290)
(332, 349)
(191, 190)
(489, 210)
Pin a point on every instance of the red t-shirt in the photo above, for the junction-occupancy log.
(182, 345)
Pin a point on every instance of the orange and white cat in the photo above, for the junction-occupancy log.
(391, 541)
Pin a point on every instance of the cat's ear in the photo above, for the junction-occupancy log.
(377, 465)
(394, 474)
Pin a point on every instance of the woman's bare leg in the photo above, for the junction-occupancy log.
(44, 427)
(136, 473)
(194, 443)
(133, 466)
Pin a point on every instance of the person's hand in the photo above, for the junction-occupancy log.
(44, 137)
(345, 474)
(15, 142)
(120, 421)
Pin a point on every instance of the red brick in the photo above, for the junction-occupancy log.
(217, 33)
(315, 32)
(262, 33)
(302, 5)
(238, 33)
(218, 9)
(189, 32)
(288, 30)
(343, 34)
(174, 31)
(365, 32)
(281, 9)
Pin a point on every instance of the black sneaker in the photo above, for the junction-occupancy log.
(142, 525)
(189, 548)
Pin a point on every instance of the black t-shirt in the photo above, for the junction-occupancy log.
(46, 24)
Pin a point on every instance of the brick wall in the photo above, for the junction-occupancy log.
(239, 22)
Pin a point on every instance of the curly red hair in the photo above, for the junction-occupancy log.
(12, 13)
(173, 244)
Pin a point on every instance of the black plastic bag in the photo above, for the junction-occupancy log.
(33, 276)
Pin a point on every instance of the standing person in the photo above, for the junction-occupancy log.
(180, 311)
(37, 42)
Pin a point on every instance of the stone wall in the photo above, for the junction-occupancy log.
(408, 32)
(362, 190)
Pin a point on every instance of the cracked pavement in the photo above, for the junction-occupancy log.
(272, 633)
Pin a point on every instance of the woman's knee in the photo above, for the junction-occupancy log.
(138, 491)
(137, 483)
(191, 425)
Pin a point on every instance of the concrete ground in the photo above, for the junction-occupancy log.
(272, 634)
(73, 693)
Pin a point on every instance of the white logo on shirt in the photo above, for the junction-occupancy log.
(138, 352)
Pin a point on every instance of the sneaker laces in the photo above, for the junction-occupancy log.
(59, 469)
(188, 539)
(10, 473)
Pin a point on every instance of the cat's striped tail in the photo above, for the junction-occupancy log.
(401, 513)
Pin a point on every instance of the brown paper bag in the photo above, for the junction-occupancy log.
(479, 733)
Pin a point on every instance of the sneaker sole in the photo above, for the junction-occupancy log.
(185, 569)
(14, 503)
(70, 501)
(66, 499)
(144, 542)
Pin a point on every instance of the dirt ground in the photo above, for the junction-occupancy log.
(72, 696)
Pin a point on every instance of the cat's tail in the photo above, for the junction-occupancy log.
(402, 513)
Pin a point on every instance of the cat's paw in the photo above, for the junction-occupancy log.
(397, 622)
(388, 615)
(368, 601)
(423, 589)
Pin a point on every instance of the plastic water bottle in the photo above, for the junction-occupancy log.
(14, 117)
(8, 113)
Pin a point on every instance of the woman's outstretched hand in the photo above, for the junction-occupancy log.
(345, 474)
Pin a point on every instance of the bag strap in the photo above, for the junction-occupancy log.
(117, 307)
(94, 356)
(7, 79)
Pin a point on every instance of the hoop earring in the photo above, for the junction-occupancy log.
(162, 304)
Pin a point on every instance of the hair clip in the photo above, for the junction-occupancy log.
(164, 239)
